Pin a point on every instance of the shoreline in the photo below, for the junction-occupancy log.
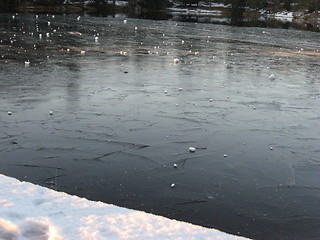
(307, 21)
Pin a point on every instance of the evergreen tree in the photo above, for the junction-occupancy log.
(49, 2)
(256, 4)
(287, 5)
(153, 4)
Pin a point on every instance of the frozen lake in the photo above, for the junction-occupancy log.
(123, 113)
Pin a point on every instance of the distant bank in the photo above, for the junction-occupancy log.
(304, 16)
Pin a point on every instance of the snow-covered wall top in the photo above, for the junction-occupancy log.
(28, 211)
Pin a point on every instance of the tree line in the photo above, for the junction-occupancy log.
(312, 5)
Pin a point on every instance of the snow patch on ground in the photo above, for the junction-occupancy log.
(30, 212)
(198, 12)
(197, 9)
(208, 4)
(118, 3)
(285, 16)
(87, 2)
(214, 5)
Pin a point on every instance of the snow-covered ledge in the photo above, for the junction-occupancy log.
(29, 212)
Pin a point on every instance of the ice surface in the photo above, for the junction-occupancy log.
(30, 212)
(115, 136)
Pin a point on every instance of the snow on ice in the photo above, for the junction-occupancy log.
(28, 211)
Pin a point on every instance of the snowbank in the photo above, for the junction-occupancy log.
(87, 2)
(118, 3)
(284, 16)
(28, 211)
(207, 4)
(198, 12)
